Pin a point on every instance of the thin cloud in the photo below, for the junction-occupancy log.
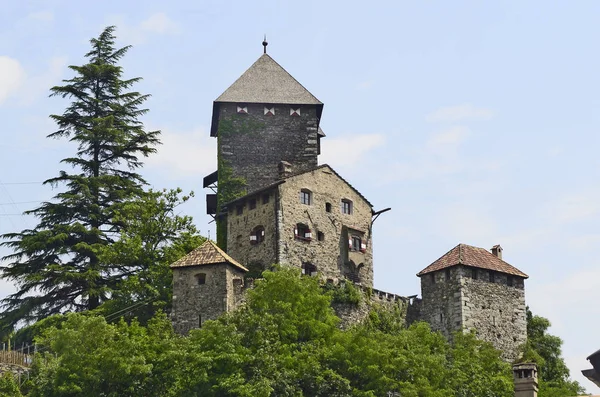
(451, 136)
(12, 77)
(44, 16)
(574, 207)
(466, 112)
(184, 154)
(364, 85)
(37, 86)
(349, 150)
(156, 24)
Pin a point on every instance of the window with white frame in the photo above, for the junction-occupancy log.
(302, 232)
(308, 269)
(356, 243)
(257, 235)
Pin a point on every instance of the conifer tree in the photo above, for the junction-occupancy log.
(57, 265)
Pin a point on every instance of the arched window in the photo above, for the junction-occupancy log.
(200, 278)
(308, 269)
(306, 196)
(257, 235)
(302, 232)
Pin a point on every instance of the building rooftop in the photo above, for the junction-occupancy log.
(206, 254)
(267, 82)
(468, 255)
(279, 182)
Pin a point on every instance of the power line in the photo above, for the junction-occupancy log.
(21, 183)
(21, 202)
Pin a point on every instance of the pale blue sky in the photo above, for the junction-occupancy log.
(476, 122)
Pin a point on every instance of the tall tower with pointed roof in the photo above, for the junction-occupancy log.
(471, 288)
(264, 119)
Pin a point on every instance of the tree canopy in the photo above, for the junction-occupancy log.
(58, 264)
(284, 342)
(545, 350)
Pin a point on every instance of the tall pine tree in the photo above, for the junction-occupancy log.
(56, 265)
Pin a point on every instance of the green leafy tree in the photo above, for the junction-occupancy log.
(86, 356)
(57, 265)
(154, 236)
(545, 350)
(284, 342)
(9, 387)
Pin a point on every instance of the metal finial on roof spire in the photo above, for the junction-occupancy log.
(265, 44)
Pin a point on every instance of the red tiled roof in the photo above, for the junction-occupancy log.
(206, 254)
(468, 255)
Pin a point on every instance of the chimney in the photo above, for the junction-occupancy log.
(525, 379)
(497, 251)
(285, 169)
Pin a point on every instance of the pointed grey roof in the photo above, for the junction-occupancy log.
(267, 82)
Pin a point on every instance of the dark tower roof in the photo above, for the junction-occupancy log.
(468, 255)
(265, 82)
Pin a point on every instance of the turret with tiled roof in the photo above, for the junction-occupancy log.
(471, 288)
(206, 283)
(468, 255)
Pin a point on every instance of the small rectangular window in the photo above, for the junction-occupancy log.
(346, 207)
(305, 197)
(320, 236)
(327, 207)
(240, 209)
(252, 204)
(356, 243)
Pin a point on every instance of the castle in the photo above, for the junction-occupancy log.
(274, 203)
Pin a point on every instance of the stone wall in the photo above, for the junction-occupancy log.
(241, 226)
(194, 303)
(476, 299)
(331, 254)
(253, 144)
(496, 311)
(441, 303)
(351, 314)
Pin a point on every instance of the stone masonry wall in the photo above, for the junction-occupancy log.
(496, 311)
(441, 304)
(195, 303)
(352, 314)
(485, 303)
(331, 255)
(240, 227)
(253, 144)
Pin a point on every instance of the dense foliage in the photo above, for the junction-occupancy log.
(545, 350)
(284, 342)
(58, 264)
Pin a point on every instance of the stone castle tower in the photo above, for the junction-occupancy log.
(274, 203)
(470, 288)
